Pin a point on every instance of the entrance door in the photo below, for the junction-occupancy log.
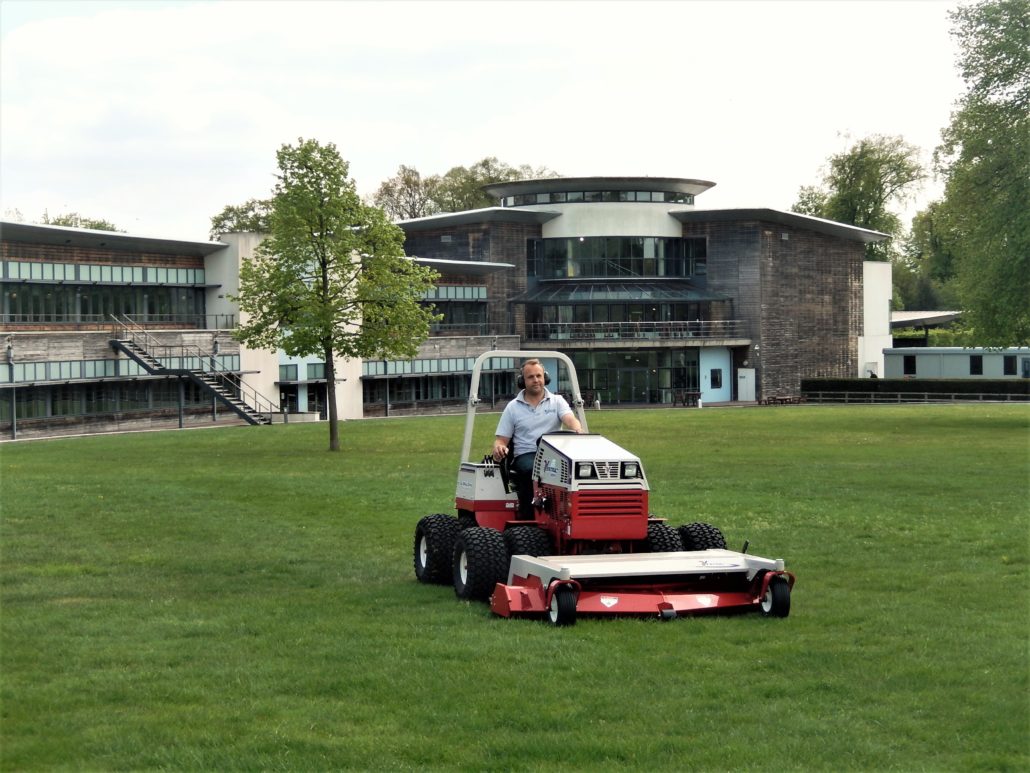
(746, 384)
(633, 385)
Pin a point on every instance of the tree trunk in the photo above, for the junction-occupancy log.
(330, 396)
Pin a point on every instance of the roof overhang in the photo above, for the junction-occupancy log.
(904, 319)
(476, 216)
(600, 291)
(791, 219)
(559, 184)
(462, 267)
(34, 233)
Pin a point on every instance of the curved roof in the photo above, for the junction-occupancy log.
(559, 184)
(471, 216)
(792, 219)
(111, 240)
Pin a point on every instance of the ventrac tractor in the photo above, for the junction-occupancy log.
(592, 546)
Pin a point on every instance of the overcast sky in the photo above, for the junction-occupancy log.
(154, 115)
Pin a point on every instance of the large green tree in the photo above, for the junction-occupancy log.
(984, 159)
(862, 184)
(331, 278)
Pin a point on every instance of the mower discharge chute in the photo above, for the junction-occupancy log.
(592, 547)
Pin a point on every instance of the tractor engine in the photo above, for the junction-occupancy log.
(588, 489)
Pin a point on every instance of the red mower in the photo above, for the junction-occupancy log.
(592, 547)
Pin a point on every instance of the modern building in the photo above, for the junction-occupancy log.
(655, 300)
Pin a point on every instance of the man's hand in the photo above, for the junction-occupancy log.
(500, 450)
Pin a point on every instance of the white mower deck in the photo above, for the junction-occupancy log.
(663, 584)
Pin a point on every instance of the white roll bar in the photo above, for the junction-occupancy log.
(516, 354)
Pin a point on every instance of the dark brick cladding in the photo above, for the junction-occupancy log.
(800, 293)
(490, 242)
(56, 253)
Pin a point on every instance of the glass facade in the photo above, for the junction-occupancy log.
(623, 257)
(637, 376)
(593, 197)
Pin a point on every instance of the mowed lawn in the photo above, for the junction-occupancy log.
(241, 599)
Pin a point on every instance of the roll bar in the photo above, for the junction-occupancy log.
(516, 354)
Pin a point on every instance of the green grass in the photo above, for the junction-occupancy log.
(240, 598)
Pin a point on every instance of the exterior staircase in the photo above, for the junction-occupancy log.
(141, 347)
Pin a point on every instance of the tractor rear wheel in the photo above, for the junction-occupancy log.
(563, 606)
(776, 599)
(527, 541)
(662, 538)
(701, 536)
(434, 544)
(480, 561)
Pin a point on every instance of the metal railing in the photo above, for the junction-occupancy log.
(192, 321)
(601, 331)
(194, 360)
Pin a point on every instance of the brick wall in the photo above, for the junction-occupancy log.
(799, 292)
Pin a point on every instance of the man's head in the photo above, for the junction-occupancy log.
(534, 377)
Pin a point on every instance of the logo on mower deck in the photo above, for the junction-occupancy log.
(609, 601)
(718, 564)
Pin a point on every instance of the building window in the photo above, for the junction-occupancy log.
(1009, 365)
(909, 365)
(316, 370)
(287, 372)
(976, 365)
(716, 378)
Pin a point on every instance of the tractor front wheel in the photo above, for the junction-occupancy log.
(701, 536)
(434, 544)
(663, 539)
(527, 541)
(562, 611)
(776, 599)
(480, 561)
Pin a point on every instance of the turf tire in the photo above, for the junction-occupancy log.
(662, 538)
(480, 561)
(701, 536)
(527, 541)
(434, 546)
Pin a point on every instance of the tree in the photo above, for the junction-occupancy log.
(462, 188)
(75, 220)
(249, 217)
(862, 183)
(331, 278)
(984, 160)
(408, 195)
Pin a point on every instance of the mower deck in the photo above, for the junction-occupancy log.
(661, 584)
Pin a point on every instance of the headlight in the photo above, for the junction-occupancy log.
(584, 470)
(630, 470)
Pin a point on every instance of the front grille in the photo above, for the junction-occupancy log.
(607, 470)
(632, 503)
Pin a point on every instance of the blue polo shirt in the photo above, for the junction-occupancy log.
(524, 424)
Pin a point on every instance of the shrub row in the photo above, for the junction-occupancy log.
(995, 386)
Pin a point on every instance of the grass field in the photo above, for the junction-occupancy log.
(240, 599)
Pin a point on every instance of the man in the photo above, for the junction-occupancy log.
(535, 411)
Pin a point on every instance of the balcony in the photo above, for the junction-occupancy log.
(594, 334)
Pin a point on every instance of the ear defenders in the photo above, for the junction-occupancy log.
(520, 382)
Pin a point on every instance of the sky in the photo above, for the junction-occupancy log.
(155, 115)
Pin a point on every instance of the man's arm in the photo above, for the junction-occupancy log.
(569, 421)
